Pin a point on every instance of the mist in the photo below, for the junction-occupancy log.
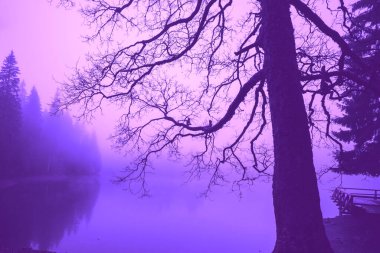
(127, 127)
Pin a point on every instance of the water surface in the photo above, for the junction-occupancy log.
(86, 216)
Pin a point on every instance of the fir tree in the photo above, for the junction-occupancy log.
(361, 110)
(32, 110)
(22, 93)
(55, 104)
(32, 135)
(10, 113)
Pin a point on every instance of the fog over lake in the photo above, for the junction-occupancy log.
(95, 215)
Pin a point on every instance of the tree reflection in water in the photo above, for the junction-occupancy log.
(39, 213)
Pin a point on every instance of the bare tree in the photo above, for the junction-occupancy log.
(195, 70)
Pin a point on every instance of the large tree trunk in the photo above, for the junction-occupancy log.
(295, 191)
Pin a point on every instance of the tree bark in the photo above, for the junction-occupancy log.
(295, 191)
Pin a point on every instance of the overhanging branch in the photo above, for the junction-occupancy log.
(334, 35)
(231, 109)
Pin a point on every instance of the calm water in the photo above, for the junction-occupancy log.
(98, 217)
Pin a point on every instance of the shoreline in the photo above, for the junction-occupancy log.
(7, 183)
(354, 233)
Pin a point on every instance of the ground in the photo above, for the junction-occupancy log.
(354, 233)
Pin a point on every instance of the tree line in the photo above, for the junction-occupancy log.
(35, 142)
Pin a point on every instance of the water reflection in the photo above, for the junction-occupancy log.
(176, 220)
(39, 213)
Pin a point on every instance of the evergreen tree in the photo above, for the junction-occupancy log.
(32, 135)
(32, 110)
(56, 135)
(71, 150)
(56, 103)
(22, 93)
(361, 110)
(10, 114)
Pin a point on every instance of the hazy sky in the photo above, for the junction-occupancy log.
(47, 42)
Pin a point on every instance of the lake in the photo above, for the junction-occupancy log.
(87, 215)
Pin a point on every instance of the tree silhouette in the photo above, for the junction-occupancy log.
(69, 149)
(33, 140)
(32, 111)
(193, 70)
(361, 109)
(34, 143)
(22, 93)
(10, 114)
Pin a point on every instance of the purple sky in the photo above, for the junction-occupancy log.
(47, 43)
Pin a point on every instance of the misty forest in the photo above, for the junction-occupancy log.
(36, 142)
(237, 126)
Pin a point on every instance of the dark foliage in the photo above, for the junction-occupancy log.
(10, 113)
(361, 118)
